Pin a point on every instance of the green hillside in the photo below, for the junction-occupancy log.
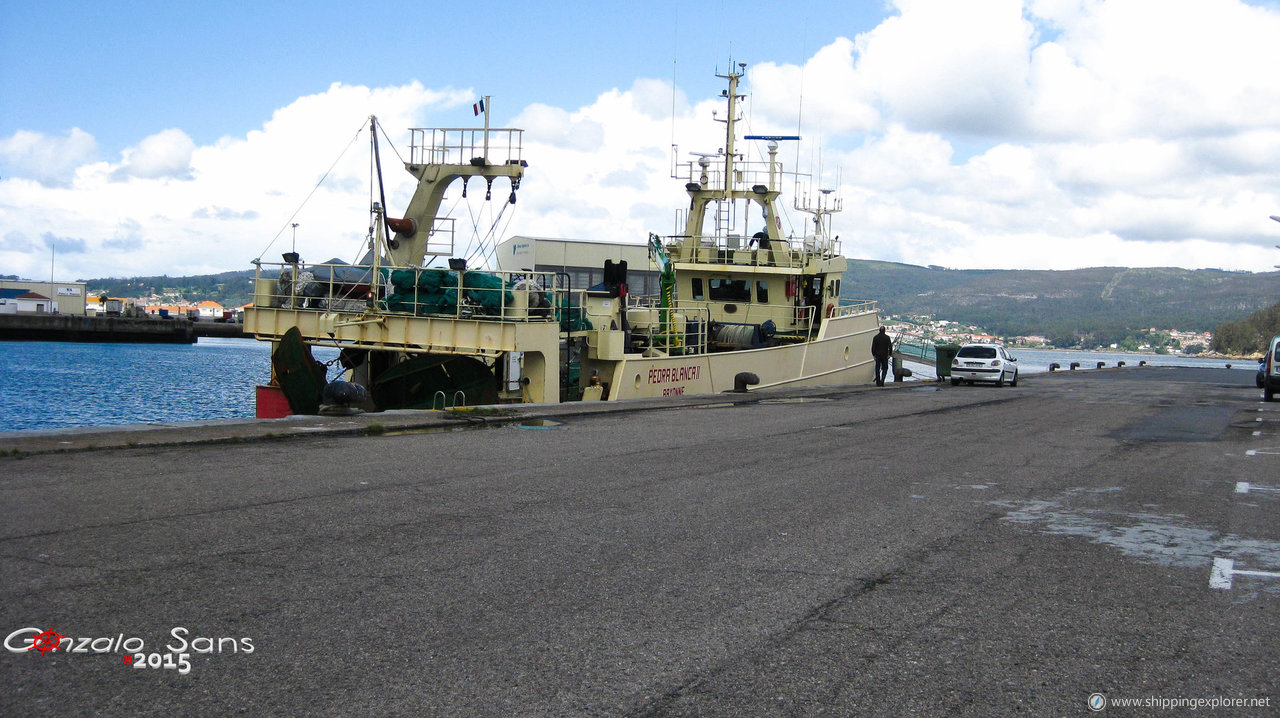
(1249, 335)
(1103, 304)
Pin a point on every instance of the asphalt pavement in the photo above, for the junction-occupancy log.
(914, 550)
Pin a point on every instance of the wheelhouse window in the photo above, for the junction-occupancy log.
(696, 285)
(730, 290)
(762, 292)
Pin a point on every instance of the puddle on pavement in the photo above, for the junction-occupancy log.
(424, 430)
(473, 424)
(795, 400)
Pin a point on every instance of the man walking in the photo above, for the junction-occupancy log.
(881, 346)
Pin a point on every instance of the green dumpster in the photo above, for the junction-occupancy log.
(946, 353)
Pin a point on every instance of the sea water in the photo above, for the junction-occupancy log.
(59, 385)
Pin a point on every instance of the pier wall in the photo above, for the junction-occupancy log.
(72, 328)
(227, 330)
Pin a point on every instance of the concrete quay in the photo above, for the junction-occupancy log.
(913, 550)
(72, 328)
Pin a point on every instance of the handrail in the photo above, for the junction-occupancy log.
(417, 291)
(460, 145)
(861, 306)
(915, 346)
(733, 249)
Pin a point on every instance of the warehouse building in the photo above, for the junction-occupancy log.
(49, 297)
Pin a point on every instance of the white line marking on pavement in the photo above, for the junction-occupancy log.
(1244, 487)
(1220, 576)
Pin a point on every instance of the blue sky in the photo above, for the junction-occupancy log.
(150, 138)
(122, 71)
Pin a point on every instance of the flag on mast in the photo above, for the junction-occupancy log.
(478, 107)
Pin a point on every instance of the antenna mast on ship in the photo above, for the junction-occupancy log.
(826, 205)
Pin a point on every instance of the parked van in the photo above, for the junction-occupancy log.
(1271, 369)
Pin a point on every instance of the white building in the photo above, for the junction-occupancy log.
(582, 260)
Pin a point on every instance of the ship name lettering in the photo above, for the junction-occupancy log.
(673, 374)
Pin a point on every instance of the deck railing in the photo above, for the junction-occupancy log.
(417, 291)
(744, 251)
(861, 306)
(459, 146)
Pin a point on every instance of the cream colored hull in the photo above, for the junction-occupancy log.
(840, 356)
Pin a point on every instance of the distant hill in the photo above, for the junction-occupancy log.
(1101, 304)
(230, 289)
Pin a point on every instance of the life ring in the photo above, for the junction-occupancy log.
(831, 310)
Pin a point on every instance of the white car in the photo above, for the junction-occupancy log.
(984, 362)
(1270, 371)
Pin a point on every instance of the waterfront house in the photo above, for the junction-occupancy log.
(209, 310)
(34, 303)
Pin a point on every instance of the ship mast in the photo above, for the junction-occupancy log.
(826, 205)
(727, 190)
(730, 130)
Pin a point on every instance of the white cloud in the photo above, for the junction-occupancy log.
(45, 159)
(958, 66)
(560, 128)
(1171, 68)
(164, 154)
(828, 90)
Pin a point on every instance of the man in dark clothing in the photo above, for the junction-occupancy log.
(881, 345)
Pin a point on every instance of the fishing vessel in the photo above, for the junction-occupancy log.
(735, 308)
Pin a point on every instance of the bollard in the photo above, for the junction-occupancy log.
(1054, 367)
(1075, 365)
(1101, 364)
(1119, 364)
(742, 379)
(1142, 363)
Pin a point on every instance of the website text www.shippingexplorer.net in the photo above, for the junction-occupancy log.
(1101, 701)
